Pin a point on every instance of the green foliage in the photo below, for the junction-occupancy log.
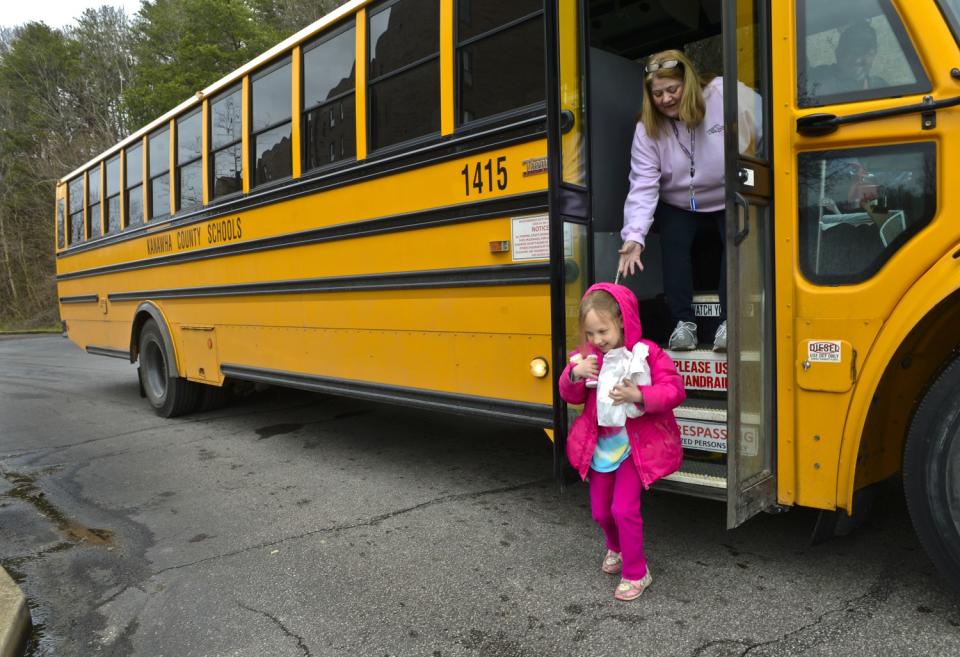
(67, 95)
(181, 46)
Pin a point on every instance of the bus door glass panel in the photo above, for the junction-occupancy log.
(61, 224)
(569, 202)
(750, 477)
(853, 51)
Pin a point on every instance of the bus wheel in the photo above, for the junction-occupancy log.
(169, 396)
(931, 473)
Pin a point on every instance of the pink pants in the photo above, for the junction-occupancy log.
(615, 505)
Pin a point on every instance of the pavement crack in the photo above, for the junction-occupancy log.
(300, 642)
(370, 522)
(850, 611)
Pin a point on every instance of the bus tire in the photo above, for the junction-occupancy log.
(169, 396)
(931, 473)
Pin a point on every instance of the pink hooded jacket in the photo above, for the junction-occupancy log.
(654, 436)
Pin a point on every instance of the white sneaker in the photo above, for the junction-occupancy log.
(720, 337)
(684, 337)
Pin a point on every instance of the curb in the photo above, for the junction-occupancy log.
(14, 617)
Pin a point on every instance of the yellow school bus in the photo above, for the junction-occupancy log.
(405, 201)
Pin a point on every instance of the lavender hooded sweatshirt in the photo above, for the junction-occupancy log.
(660, 170)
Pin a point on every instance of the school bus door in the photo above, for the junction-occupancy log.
(751, 480)
(570, 234)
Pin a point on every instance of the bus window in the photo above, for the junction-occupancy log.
(159, 188)
(859, 206)
(112, 205)
(852, 51)
(226, 153)
(75, 199)
(134, 195)
(404, 71)
(500, 57)
(61, 225)
(329, 82)
(189, 161)
(271, 129)
(94, 227)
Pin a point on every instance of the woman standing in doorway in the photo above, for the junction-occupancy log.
(677, 176)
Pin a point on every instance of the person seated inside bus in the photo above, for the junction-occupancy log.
(677, 178)
(855, 53)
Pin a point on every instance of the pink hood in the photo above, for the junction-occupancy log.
(654, 436)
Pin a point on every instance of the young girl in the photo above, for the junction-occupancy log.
(621, 460)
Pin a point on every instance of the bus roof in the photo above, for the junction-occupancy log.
(285, 45)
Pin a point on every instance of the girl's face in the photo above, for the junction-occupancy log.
(602, 331)
(666, 94)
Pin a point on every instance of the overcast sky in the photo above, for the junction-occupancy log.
(55, 13)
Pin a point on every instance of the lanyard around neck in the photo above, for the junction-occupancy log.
(690, 153)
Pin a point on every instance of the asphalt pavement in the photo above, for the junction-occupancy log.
(293, 524)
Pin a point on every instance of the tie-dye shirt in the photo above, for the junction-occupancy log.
(613, 446)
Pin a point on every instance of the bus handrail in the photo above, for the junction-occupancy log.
(821, 124)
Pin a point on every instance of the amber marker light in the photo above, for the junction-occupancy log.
(499, 246)
(539, 367)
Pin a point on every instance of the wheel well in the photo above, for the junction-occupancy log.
(930, 346)
(144, 313)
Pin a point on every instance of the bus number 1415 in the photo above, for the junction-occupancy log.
(482, 176)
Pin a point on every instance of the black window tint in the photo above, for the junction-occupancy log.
(94, 229)
(329, 68)
(226, 171)
(189, 138)
(134, 199)
(272, 129)
(271, 97)
(75, 203)
(329, 122)
(61, 225)
(405, 106)
(134, 183)
(330, 133)
(853, 51)
(859, 206)
(404, 93)
(474, 17)
(271, 151)
(189, 162)
(190, 185)
(226, 130)
(159, 149)
(502, 71)
(112, 192)
(402, 33)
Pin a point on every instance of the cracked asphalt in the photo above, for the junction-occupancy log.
(293, 524)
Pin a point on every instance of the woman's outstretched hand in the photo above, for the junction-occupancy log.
(630, 258)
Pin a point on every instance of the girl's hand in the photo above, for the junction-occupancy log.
(630, 258)
(586, 368)
(625, 393)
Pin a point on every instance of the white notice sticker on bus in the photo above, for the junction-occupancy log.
(703, 435)
(530, 238)
(824, 351)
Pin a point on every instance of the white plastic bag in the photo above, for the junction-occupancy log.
(619, 364)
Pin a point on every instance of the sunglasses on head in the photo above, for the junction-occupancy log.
(665, 64)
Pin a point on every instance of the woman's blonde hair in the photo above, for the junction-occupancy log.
(602, 303)
(692, 105)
